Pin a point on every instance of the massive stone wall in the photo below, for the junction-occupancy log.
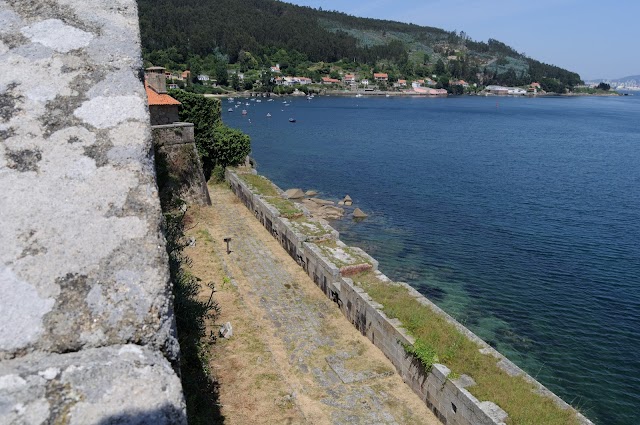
(446, 397)
(177, 156)
(87, 333)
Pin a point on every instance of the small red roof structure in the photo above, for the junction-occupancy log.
(157, 99)
(380, 76)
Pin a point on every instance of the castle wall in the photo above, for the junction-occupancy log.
(88, 333)
(446, 397)
(176, 152)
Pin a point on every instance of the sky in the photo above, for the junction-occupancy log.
(596, 39)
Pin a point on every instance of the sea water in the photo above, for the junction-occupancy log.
(518, 216)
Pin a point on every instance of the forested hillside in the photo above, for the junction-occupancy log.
(176, 31)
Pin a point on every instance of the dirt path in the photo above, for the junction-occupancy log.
(293, 358)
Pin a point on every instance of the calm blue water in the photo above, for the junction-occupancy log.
(520, 217)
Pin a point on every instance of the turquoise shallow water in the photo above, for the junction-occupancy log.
(520, 217)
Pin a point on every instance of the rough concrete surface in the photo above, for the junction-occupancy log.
(82, 259)
(119, 384)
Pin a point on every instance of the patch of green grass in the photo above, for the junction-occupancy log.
(260, 184)
(204, 234)
(286, 208)
(438, 341)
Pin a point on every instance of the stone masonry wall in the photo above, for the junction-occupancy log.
(88, 334)
(175, 149)
(447, 398)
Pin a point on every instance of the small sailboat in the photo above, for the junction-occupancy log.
(292, 120)
(230, 110)
(268, 115)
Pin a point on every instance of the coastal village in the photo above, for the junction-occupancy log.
(378, 83)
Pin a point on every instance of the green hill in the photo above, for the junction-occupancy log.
(300, 38)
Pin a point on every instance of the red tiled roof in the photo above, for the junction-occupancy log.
(380, 75)
(159, 99)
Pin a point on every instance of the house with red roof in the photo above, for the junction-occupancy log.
(400, 84)
(327, 80)
(349, 79)
(163, 108)
(381, 76)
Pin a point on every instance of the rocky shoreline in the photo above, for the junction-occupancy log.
(324, 208)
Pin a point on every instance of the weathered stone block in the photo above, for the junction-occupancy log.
(125, 384)
(82, 262)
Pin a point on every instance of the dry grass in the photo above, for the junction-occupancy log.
(513, 394)
(253, 368)
(251, 386)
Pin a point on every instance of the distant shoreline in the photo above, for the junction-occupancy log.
(340, 93)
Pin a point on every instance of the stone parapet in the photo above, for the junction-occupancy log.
(83, 267)
(447, 398)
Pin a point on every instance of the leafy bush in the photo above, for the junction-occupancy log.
(204, 113)
(218, 174)
(217, 144)
(230, 146)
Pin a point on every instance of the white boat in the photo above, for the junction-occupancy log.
(270, 100)
(268, 115)
(244, 112)
(358, 95)
(258, 101)
(230, 110)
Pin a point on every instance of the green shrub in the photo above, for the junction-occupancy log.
(230, 146)
(218, 174)
(217, 144)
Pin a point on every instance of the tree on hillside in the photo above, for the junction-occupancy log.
(440, 68)
(604, 86)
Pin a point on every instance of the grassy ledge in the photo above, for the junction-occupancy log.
(259, 184)
(438, 341)
(263, 186)
(286, 208)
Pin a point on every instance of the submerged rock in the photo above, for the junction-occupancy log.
(358, 213)
(311, 193)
